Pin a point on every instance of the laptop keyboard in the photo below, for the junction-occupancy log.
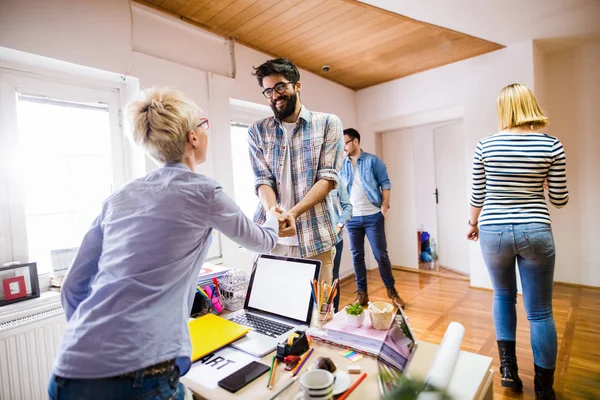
(261, 325)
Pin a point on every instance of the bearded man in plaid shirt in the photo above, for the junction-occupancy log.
(296, 156)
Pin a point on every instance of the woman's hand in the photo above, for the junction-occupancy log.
(473, 233)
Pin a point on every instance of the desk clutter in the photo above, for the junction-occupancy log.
(323, 295)
(219, 288)
(379, 331)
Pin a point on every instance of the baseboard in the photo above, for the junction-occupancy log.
(577, 285)
(432, 273)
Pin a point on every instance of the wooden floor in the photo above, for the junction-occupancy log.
(434, 301)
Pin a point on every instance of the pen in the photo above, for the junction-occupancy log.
(302, 362)
(287, 385)
(347, 392)
(202, 292)
(216, 282)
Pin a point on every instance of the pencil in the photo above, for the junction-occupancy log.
(312, 290)
(347, 392)
(274, 370)
(271, 373)
(302, 362)
(287, 385)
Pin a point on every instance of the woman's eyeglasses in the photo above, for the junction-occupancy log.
(203, 123)
(279, 88)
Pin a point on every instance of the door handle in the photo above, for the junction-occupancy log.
(436, 196)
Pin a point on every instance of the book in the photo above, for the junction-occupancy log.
(211, 332)
(365, 335)
(321, 336)
(209, 271)
(395, 350)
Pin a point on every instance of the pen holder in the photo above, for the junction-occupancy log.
(323, 315)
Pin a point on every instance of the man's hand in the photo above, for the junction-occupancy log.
(384, 211)
(278, 211)
(287, 225)
(338, 229)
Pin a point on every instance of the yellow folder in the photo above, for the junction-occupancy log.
(211, 332)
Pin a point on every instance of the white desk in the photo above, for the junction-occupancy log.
(472, 378)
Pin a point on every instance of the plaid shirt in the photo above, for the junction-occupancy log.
(316, 153)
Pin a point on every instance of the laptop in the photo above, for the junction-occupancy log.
(278, 302)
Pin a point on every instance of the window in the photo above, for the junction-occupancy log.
(243, 176)
(62, 150)
(243, 114)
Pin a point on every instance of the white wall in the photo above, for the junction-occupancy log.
(424, 167)
(160, 50)
(471, 85)
(572, 87)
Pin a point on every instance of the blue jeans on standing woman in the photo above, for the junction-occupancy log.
(532, 247)
(374, 227)
(159, 387)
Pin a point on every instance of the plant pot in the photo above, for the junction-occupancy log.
(355, 320)
(382, 320)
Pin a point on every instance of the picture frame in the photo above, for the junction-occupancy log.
(14, 288)
(18, 282)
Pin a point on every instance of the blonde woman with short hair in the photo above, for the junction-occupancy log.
(129, 293)
(510, 216)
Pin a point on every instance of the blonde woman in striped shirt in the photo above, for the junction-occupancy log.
(511, 170)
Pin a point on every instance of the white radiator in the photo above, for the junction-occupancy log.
(28, 346)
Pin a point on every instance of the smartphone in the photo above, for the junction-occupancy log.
(244, 376)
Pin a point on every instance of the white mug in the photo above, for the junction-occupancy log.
(317, 385)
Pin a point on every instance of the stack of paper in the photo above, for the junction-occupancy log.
(210, 271)
(365, 335)
(393, 347)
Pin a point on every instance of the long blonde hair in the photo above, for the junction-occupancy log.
(161, 119)
(517, 106)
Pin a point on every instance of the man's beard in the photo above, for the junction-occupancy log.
(290, 106)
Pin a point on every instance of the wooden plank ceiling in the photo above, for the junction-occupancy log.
(364, 45)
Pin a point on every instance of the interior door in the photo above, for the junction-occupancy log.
(452, 207)
(396, 147)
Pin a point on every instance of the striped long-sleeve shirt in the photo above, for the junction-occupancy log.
(508, 175)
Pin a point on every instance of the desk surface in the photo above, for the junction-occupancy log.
(471, 378)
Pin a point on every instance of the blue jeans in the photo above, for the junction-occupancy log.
(532, 247)
(153, 388)
(336, 271)
(373, 226)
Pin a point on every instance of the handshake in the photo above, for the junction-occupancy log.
(287, 221)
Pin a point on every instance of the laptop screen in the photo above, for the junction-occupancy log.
(281, 286)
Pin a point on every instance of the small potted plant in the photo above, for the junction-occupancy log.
(355, 315)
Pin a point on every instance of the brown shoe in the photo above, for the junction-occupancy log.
(396, 299)
(362, 298)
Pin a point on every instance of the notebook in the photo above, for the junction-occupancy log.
(211, 332)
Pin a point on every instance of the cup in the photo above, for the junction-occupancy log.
(322, 316)
(381, 314)
(317, 385)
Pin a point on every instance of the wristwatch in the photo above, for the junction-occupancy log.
(340, 225)
(469, 222)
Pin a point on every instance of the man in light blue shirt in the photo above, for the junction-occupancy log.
(129, 293)
(343, 212)
(369, 187)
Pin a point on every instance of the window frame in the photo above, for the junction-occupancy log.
(13, 235)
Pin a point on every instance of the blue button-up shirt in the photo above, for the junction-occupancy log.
(129, 293)
(316, 153)
(373, 175)
(343, 207)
